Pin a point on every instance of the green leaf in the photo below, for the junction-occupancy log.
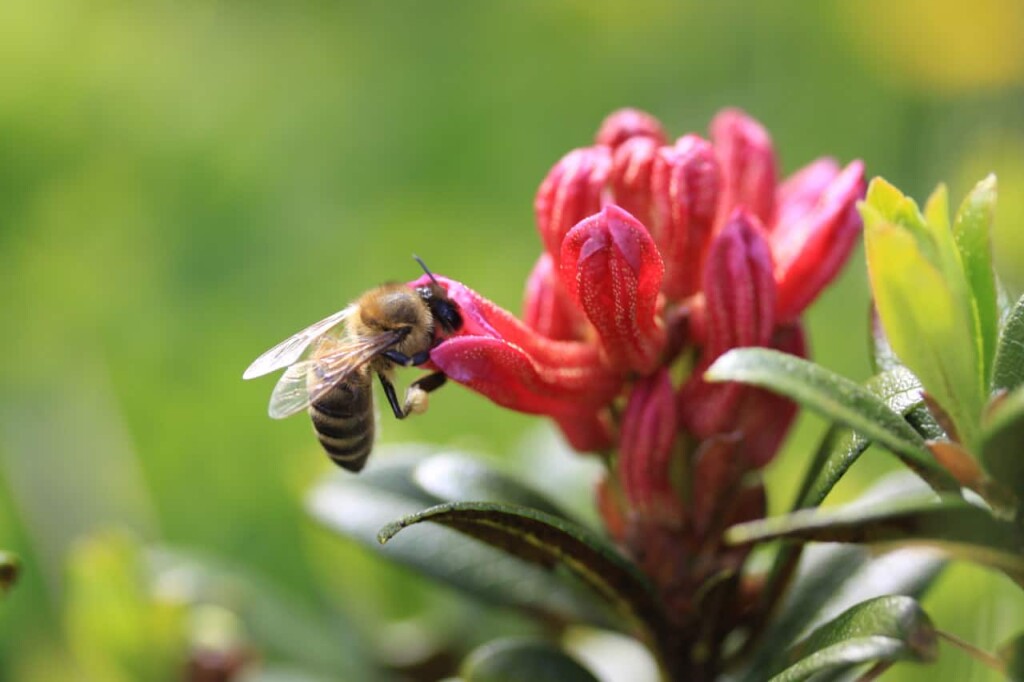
(1008, 372)
(522, 660)
(883, 357)
(891, 628)
(1002, 442)
(10, 567)
(950, 524)
(1011, 653)
(357, 507)
(923, 301)
(837, 399)
(549, 541)
(972, 231)
(458, 478)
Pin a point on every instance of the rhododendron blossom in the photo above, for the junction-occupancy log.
(657, 258)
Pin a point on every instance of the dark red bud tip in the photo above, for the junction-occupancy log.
(571, 192)
(685, 184)
(612, 269)
(739, 287)
(626, 124)
(811, 247)
(588, 432)
(748, 164)
(649, 431)
(547, 308)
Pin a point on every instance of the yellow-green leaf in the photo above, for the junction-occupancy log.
(972, 232)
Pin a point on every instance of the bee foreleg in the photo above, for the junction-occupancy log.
(404, 360)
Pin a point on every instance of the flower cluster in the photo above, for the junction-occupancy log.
(658, 257)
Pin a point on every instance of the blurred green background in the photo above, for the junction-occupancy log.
(183, 184)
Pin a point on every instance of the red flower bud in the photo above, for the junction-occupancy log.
(497, 355)
(626, 124)
(818, 228)
(630, 179)
(764, 418)
(571, 192)
(739, 305)
(748, 164)
(649, 432)
(547, 308)
(716, 472)
(611, 268)
(685, 185)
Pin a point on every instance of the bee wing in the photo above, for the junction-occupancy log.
(306, 382)
(291, 349)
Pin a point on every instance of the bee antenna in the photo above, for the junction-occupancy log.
(425, 268)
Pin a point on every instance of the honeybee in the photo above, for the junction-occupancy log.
(330, 364)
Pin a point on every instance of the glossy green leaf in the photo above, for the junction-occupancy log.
(358, 507)
(1002, 442)
(1011, 653)
(452, 477)
(949, 523)
(1008, 372)
(891, 628)
(972, 231)
(923, 301)
(548, 541)
(10, 567)
(522, 660)
(837, 399)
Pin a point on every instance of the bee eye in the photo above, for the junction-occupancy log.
(448, 315)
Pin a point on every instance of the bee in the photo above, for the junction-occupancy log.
(330, 364)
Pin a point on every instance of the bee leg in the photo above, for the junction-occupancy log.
(407, 360)
(416, 394)
(389, 391)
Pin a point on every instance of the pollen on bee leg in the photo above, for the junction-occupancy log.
(416, 400)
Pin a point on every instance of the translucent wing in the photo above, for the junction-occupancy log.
(307, 381)
(291, 349)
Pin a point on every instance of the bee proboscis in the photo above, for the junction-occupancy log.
(330, 364)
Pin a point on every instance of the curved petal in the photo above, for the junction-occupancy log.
(547, 309)
(810, 250)
(571, 191)
(627, 124)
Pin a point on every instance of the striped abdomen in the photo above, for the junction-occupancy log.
(343, 419)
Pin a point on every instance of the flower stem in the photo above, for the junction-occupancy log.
(981, 656)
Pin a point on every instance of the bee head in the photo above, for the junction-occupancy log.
(444, 310)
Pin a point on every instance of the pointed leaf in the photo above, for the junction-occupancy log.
(923, 300)
(358, 507)
(452, 477)
(522, 660)
(1002, 443)
(972, 231)
(549, 541)
(836, 398)
(10, 566)
(950, 524)
(892, 628)
(1008, 372)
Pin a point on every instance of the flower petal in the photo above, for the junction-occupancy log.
(626, 124)
(748, 164)
(588, 431)
(571, 191)
(685, 184)
(547, 308)
(496, 354)
(611, 268)
(810, 249)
